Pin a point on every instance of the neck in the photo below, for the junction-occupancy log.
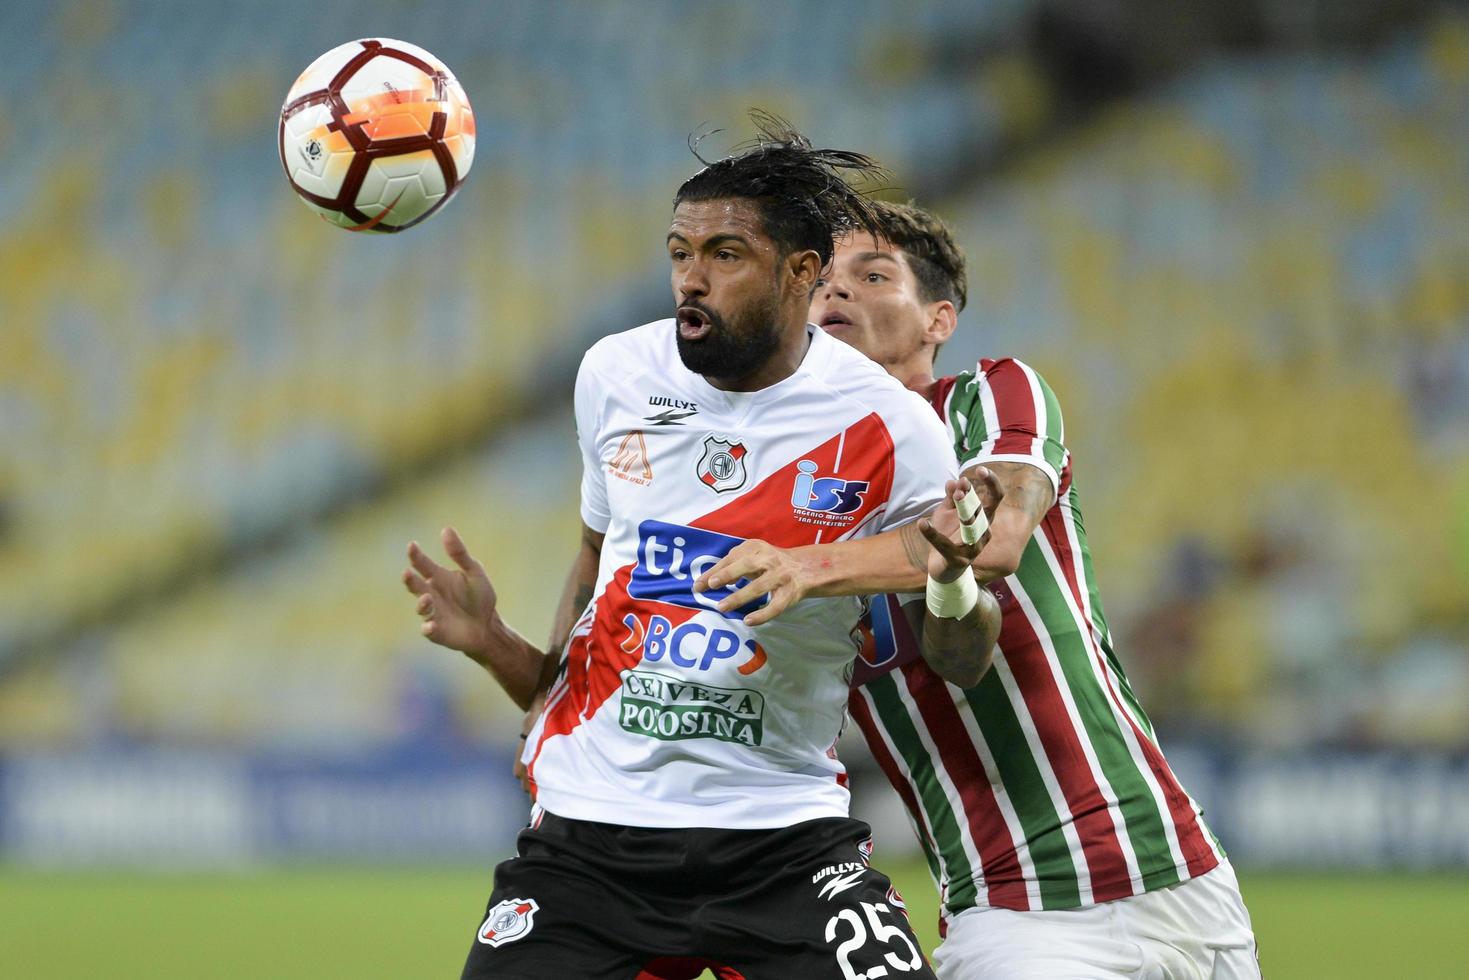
(780, 365)
(916, 373)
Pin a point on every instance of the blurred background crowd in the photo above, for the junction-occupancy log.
(1234, 238)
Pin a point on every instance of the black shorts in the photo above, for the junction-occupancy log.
(593, 901)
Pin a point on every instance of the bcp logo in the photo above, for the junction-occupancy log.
(825, 494)
(671, 557)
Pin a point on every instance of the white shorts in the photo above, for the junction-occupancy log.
(1196, 929)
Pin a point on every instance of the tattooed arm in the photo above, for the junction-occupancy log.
(1024, 494)
(958, 648)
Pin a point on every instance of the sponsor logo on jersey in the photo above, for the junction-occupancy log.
(508, 921)
(671, 557)
(826, 500)
(839, 878)
(670, 708)
(722, 467)
(691, 645)
(675, 411)
(630, 462)
(669, 417)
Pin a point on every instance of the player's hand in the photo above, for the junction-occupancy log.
(770, 571)
(949, 554)
(988, 486)
(457, 605)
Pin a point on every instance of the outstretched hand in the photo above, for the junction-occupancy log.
(457, 605)
(950, 554)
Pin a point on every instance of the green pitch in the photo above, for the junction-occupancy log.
(319, 923)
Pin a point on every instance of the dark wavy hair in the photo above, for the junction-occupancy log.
(936, 259)
(806, 195)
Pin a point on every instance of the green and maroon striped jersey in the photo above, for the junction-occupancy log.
(1042, 787)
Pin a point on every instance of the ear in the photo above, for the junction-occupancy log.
(805, 269)
(942, 319)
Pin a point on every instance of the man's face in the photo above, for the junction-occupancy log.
(870, 298)
(726, 286)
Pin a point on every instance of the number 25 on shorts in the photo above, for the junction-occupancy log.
(881, 932)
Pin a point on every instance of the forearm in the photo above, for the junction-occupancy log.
(960, 649)
(894, 561)
(1025, 495)
(576, 593)
(1009, 532)
(513, 661)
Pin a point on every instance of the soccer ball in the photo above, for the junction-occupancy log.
(376, 135)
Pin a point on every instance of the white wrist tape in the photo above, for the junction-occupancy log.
(972, 522)
(953, 600)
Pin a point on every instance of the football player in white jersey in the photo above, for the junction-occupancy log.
(688, 802)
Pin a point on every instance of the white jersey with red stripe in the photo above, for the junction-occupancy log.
(667, 712)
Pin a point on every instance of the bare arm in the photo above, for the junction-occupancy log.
(1025, 495)
(581, 584)
(1016, 496)
(894, 561)
(460, 611)
(958, 648)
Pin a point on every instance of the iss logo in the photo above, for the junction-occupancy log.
(508, 921)
(825, 494)
(722, 467)
(826, 500)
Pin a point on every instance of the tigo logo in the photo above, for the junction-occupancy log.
(672, 556)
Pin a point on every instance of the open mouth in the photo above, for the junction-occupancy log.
(693, 323)
(834, 319)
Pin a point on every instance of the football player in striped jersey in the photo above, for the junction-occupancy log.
(1062, 842)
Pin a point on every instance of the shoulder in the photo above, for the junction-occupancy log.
(847, 373)
(624, 356)
(1011, 375)
(915, 430)
(645, 341)
(1002, 382)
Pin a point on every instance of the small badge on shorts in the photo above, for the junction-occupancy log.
(508, 921)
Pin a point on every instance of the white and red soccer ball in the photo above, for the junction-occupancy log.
(376, 135)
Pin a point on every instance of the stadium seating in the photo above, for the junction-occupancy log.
(221, 419)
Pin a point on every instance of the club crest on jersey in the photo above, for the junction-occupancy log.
(825, 500)
(722, 467)
(508, 921)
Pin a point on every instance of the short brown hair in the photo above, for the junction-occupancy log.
(936, 259)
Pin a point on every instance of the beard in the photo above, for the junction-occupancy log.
(734, 348)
